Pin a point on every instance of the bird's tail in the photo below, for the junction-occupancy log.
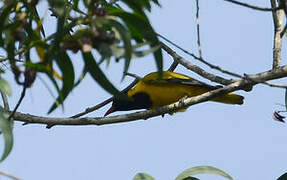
(230, 99)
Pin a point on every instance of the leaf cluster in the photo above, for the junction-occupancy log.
(96, 29)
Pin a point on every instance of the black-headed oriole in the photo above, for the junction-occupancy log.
(152, 92)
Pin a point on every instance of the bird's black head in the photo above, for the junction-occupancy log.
(139, 100)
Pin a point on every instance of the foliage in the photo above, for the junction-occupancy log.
(100, 30)
(6, 126)
(97, 29)
(6, 123)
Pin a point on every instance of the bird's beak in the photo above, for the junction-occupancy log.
(111, 110)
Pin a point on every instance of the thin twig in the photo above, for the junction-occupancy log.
(4, 173)
(107, 101)
(19, 51)
(173, 66)
(195, 68)
(19, 102)
(274, 85)
(210, 76)
(197, 29)
(133, 75)
(201, 59)
(175, 45)
(252, 6)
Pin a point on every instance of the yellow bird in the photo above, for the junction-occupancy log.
(152, 92)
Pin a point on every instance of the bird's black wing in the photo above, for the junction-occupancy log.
(192, 82)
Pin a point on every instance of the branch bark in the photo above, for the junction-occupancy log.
(278, 17)
(144, 115)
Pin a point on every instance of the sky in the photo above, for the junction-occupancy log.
(244, 141)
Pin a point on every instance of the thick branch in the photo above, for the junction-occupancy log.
(278, 17)
(237, 85)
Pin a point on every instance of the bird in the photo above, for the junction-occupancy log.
(153, 91)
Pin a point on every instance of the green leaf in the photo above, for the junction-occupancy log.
(97, 74)
(54, 82)
(202, 170)
(283, 177)
(81, 77)
(6, 127)
(191, 178)
(137, 36)
(75, 4)
(58, 6)
(5, 87)
(62, 29)
(126, 39)
(118, 52)
(141, 25)
(143, 176)
(156, 2)
(35, 15)
(65, 64)
(138, 6)
(5, 12)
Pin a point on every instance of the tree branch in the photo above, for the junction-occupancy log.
(166, 48)
(19, 102)
(278, 17)
(237, 85)
(4, 173)
(195, 68)
(133, 75)
(252, 6)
